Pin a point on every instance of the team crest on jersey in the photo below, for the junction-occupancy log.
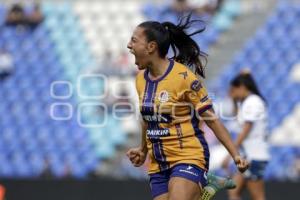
(196, 85)
(163, 96)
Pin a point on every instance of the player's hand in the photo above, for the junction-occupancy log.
(241, 163)
(136, 156)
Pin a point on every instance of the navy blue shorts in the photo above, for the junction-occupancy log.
(256, 170)
(159, 181)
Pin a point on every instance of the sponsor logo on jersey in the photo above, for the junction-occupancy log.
(196, 85)
(157, 118)
(163, 96)
(158, 132)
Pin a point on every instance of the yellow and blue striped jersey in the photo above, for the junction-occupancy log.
(171, 106)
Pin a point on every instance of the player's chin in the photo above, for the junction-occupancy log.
(139, 66)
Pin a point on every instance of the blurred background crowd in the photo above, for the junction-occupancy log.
(67, 91)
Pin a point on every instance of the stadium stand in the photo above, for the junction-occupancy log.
(99, 33)
(215, 24)
(29, 137)
(271, 55)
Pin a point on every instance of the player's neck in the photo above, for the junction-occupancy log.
(158, 68)
(247, 93)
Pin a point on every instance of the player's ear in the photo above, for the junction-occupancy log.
(151, 47)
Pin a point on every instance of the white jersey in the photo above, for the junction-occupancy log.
(253, 109)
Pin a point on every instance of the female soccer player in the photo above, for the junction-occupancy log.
(252, 116)
(172, 100)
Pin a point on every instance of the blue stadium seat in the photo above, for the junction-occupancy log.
(270, 55)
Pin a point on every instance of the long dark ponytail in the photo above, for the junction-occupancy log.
(248, 81)
(185, 49)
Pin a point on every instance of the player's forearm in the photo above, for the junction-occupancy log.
(223, 136)
(144, 135)
(244, 134)
(220, 131)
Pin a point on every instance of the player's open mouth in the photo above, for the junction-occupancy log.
(131, 51)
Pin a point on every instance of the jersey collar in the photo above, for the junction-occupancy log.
(146, 73)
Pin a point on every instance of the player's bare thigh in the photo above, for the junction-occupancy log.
(183, 189)
(256, 189)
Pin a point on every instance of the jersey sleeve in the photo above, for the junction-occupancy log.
(196, 94)
(253, 109)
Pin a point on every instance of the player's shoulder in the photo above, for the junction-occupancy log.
(140, 75)
(139, 81)
(184, 73)
(254, 100)
(187, 77)
(179, 67)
